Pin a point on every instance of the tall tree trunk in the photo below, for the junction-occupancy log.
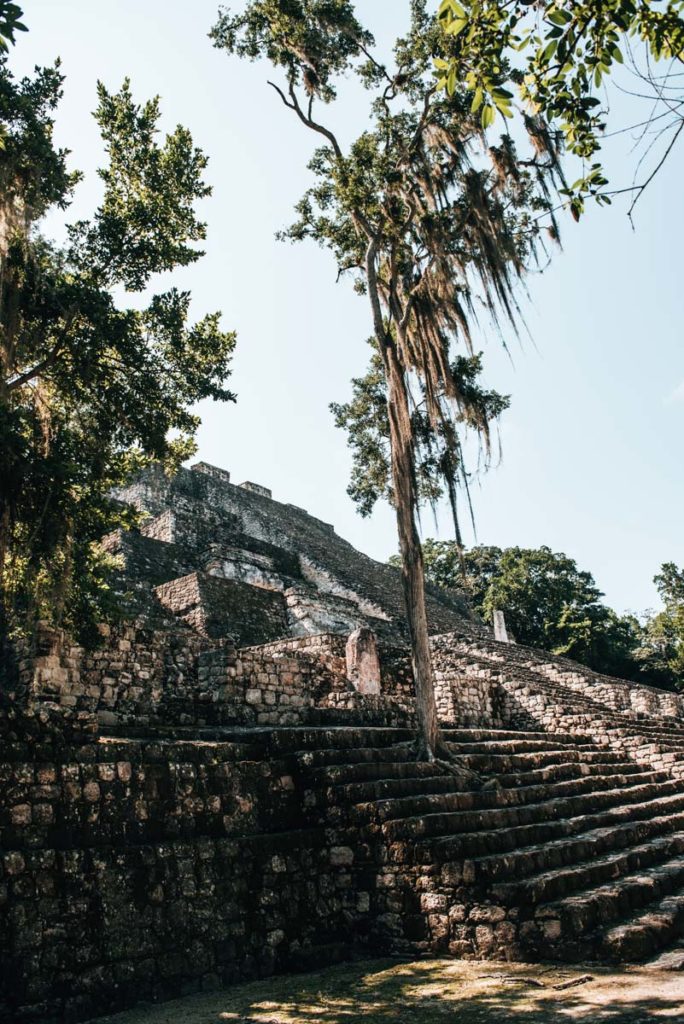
(405, 501)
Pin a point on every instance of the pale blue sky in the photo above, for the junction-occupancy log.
(593, 441)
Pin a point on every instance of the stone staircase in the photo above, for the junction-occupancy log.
(570, 851)
(537, 692)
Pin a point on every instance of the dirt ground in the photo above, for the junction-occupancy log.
(433, 992)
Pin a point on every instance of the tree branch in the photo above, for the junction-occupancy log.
(47, 361)
(642, 188)
(282, 95)
(310, 123)
(360, 222)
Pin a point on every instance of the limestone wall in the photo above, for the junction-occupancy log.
(199, 509)
(464, 699)
(616, 693)
(528, 689)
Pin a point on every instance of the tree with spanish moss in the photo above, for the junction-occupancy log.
(430, 217)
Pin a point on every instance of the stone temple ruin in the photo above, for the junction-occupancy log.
(225, 788)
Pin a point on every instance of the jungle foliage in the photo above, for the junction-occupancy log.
(550, 604)
(91, 388)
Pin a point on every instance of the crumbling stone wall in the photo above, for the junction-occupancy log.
(531, 690)
(615, 693)
(464, 699)
(200, 509)
(177, 810)
(144, 677)
(138, 868)
(142, 870)
(122, 680)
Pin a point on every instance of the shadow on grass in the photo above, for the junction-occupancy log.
(440, 991)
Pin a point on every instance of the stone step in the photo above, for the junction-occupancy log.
(567, 697)
(518, 746)
(571, 770)
(495, 735)
(297, 739)
(429, 804)
(559, 695)
(349, 793)
(403, 751)
(332, 741)
(671, 960)
(377, 752)
(309, 759)
(570, 850)
(480, 842)
(527, 678)
(369, 771)
(370, 765)
(654, 928)
(498, 764)
(556, 709)
(559, 882)
(528, 814)
(586, 916)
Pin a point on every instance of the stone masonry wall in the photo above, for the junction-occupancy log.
(199, 508)
(463, 700)
(219, 608)
(143, 870)
(531, 690)
(143, 677)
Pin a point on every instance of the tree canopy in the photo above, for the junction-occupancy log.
(91, 389)
(365, 420)
(10, 22)
(554, 58)
(661, 650)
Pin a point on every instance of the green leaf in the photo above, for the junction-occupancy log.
(488, 115)
(549, 51)
(456, 26)
(502, 100)
(559, 17)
